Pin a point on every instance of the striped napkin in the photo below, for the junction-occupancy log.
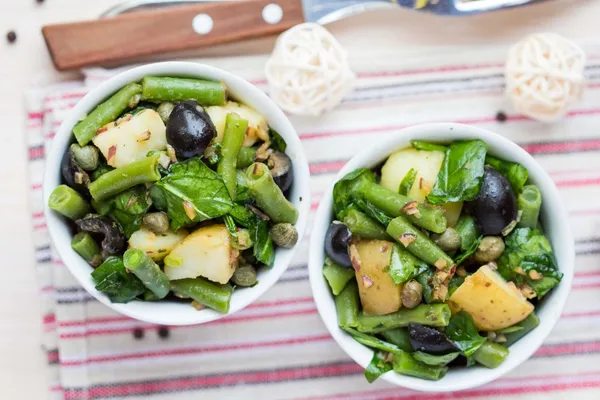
(278, 348)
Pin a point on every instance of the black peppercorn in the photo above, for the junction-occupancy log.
(163, 332)
(11, 37)
(501, 117)
(138, 333)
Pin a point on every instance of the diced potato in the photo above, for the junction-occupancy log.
(156, 245)
(257, 124)
(206, 252)
(492, 302)
(378, 293)
(131, 140)
(452, 212)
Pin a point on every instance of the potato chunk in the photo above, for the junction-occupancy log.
(156, 245)
(130, 140)
(378, 293)
(207, 252)
(492, 302)
(257, 124)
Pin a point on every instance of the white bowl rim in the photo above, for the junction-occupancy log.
(169, 313)
(550, 310)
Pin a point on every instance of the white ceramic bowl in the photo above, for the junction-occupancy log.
(171, 313)
(555, 221)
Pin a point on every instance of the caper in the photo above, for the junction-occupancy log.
(490, 248)
(449, 240)
(86, 157)
(164, 110)
(412, 293)
(284, 235)
(157, 222)
(244, 275)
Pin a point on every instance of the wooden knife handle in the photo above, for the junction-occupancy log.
(126, 37)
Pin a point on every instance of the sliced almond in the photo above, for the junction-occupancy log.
(367, 281)
(354, 257)
(189, 209)
(440, 264)
(112, 151)
(407, 238)
(144, 136)
(536, 276)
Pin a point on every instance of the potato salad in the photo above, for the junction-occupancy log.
(437, 258)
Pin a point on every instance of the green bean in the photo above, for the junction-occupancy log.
(418, 244)
(405, 364)
(490, 354)
(147, 271)
(68, 202)
(246, 157)
(427, 146)
(268, 195)
(103, 207)
(85, 156)
(233, 138)
(121, 179)
(361, 225)
(392, 203)
(206, 93)
(106, 112)
(372, 341)
(86, 247)
(209, 294)
(530, 202)
(399, 337)
(346, 306)
(467, 230)
(337, 277)
(436, 315)
(528, 324)
(407, 182)
(241, 192)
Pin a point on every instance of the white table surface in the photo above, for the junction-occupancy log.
(26, 62)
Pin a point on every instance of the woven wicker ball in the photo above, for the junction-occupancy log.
(308, 72)
(544, 75)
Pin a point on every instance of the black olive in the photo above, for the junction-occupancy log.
(113, 241)
(189, 129)
(337, 241)
(496, 204)
(73, 174)
(281, 169)
(429, 340)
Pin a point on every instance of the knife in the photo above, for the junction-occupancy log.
(165, 26)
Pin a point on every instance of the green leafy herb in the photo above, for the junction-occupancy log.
(467, 230)
(129, 208)
(193, 193)
(101, 170)
(463, 332)
(372, 342)
(112, 278)
(242, 192)
(399, 337)
(516, 174)
(373, 212)
(407, 182)
(277, 142)
(461, 174)
(263, 248)
(404, 266)
(468, 252)
(240, 238)
(377, 367)
(454, 283)
(431, 359)
(421, 145)
(425, 278)
(529, 249)
(337, 277)
(345, 190)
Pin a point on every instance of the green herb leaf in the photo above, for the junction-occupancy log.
(462, 331)
(430, 359)
(461, 174)
(277, 142)
(424, 278)
(407, 182)
(372, 342)
(516, 174)
(404, 266)
(337, 277)
(377, 367)
(373, 212)
(345, 190)
(469, 252)
(112, 278)
(467, 230)
(129, 208)
(454, 283)
(263, 248)
(193, 187)
(101, 170)
(421, 145)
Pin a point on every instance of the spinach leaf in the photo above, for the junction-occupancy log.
(404, 266)
(430, 359)
(346, 190)
(372, 341)
(377, 367)
(516, 174)
(424, 278)
(277, 142)
(193, 193)
(421, 145)
(242, 192)
(407, 182)
(454, 283)
(112, 278)
(461, 174)
(129, 208)
(468, 252)
(372, 212)
(263, 248)
(467, 230)
(529, 249)
(101, 170)
(463, 332)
